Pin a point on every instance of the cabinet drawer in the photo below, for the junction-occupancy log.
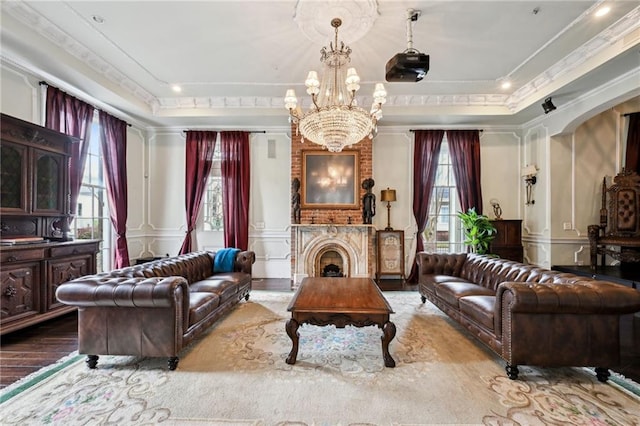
(20, 291)
(10, 256)
(63, 270)
(72, 250)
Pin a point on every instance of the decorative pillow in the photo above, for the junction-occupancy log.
(224, 260)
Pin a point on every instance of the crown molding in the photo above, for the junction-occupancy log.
(570, 63)
(305, 13)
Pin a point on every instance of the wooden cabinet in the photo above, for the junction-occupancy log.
(30, 275)
(34, 179)
(34, 202)
(390, 254)
(508, 240)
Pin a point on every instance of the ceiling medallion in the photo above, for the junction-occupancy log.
(358, 18)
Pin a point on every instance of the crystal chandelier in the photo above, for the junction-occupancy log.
(335, 120)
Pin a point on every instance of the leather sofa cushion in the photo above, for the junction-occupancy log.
(430, 281)
(223, 288)
(201, 304)
(234, 277)
(480, 308)
(452, 291)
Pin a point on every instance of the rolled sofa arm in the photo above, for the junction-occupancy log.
(581, 297)
(155, 292)
(244, 261)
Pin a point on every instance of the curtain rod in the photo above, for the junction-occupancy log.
(210, 130)
(417, 130)
(44, 83)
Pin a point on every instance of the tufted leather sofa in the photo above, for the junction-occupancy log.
(154, 309)
(529, 315)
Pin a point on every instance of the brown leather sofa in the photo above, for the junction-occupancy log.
(530, 315)
(154, 309)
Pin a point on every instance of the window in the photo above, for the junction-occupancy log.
(213, 218)
(92, 219)
(444, 232)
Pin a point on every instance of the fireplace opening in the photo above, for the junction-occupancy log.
(331, 270)
(330, 264)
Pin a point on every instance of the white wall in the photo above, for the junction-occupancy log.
(19, 95)
(575, 147)
(136, 192)
(392, 168)
(572, 156)
(269, 206)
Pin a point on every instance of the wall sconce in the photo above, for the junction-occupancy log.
(548, 106)
(529, 174)
(388, 195)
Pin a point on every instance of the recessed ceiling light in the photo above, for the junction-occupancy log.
(98, 19)
(506, 84)
(603, 11)
(176, 88)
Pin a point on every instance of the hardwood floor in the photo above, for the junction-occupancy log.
(26, 351)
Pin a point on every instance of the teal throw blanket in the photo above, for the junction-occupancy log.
(224, 260)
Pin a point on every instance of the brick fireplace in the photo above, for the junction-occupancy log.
(332, 235)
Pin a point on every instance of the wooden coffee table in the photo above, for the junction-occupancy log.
(340, 302)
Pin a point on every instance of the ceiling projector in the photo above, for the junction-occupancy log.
(410, 65)
(407, 67)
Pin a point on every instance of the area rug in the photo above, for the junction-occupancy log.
(236, 375)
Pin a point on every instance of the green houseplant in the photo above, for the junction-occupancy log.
(478, 230)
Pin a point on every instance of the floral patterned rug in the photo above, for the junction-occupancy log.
(236, 375)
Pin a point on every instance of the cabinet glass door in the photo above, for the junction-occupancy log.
(48, 179)
(13, 178)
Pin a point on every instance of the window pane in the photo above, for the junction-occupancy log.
(213, 217)
(443, 232)
(92, 214)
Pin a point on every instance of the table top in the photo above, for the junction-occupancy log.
(339, 295)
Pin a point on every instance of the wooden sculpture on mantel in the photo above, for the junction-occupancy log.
(368, 202)
(295, 200)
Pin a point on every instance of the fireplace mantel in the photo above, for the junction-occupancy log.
(353, 242)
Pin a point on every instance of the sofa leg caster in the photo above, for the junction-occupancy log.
(512, 371)
(173, 362)
(602, 374)
(424, 299)
(92, 361)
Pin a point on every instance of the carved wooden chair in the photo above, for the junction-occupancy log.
(619, 221)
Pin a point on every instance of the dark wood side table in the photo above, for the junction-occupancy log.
(508, 240)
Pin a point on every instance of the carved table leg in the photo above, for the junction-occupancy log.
(388, 333)
(292, 331)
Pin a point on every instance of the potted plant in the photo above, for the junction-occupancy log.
(478, 230)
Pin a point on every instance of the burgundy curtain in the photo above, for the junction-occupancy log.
(425, 163)
(632, 161)
(73, 117)
(235, 168)
(114, 150)
(199, 155)
(464, 148)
